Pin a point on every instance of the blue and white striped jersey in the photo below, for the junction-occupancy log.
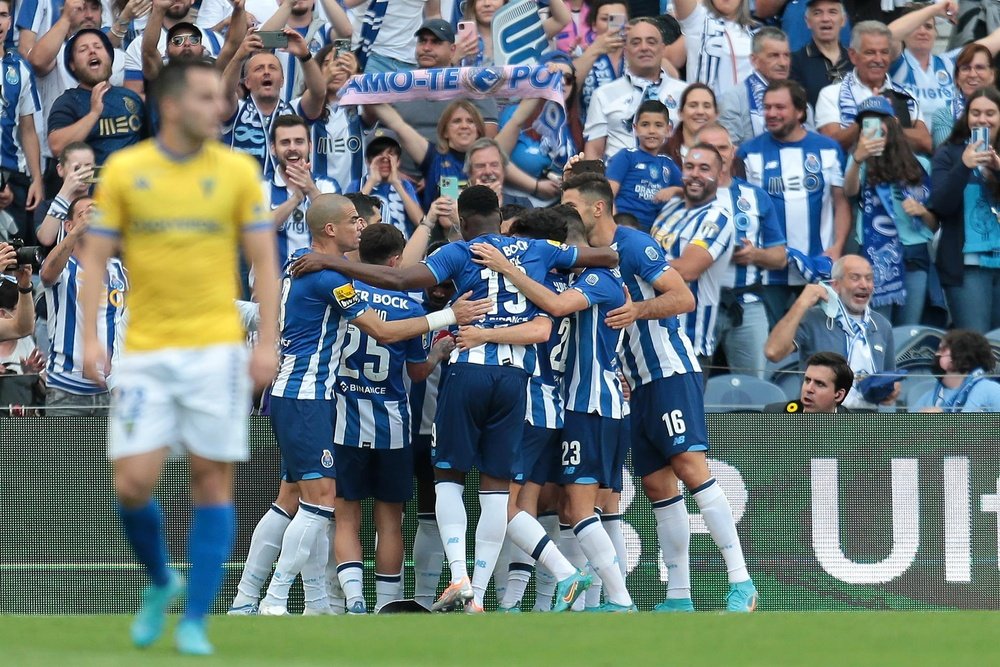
(313, 317)
(536, 258)
(651, 349)
(249, 130)
(293, 233)
(371, 403)
(799, 177)
(337, 150)
(544, 407)
(754, 218)
(424, 395)
(709, 227)
(393, 209)
(65, 317)
(591, 382)
(20, 98)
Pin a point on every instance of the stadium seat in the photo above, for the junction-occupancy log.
(724, 393)
(915, 348)
(785, 374)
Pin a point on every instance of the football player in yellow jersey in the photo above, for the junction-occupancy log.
(178, 208)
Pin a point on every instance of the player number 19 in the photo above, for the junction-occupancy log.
(674, 421)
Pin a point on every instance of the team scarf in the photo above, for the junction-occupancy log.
(957, 103)
(880, 240)
(813, 268)
(756, 85)
(941, 71)
(858, 350)
(849, 104)
(958, 401)
(371, 24)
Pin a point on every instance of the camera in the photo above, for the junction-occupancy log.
(27, 254)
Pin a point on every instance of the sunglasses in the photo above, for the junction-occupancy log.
(179, 40)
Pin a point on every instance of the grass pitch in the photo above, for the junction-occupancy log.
(576, 640)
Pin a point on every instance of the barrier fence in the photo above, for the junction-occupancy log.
(850, 511)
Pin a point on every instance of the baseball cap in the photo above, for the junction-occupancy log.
(185, 27)
(877, 104)
(877, 388)
(813, 2)
(439, 28)
(379, 141)
(68, 51)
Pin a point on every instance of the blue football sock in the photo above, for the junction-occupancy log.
(209, 544)
(144, 531)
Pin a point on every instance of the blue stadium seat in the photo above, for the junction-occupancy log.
(739, 392)
(915, 347)
(786, 375)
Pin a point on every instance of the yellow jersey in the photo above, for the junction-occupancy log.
(179, 222)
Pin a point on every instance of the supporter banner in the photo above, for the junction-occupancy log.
(450, 83)
(518, 34)
(859, 511)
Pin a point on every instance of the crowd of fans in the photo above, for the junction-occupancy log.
(844, 134)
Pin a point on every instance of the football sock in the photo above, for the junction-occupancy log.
(388, 587)
(545, 582)
(529, 535)
(593, 594)
(613, 527)
(502, 569)
(265, 544)
(333, 590)
(296, 547)
(351, 576)
(449, 507)
(490, 532)
(428, 554)
(570, 547)
(314, 571)
(597, 546)
(673, 530)
(718, 517)
(210, 542)
(144, 531)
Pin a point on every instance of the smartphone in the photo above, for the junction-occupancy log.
(466, 28)
(981, 134)
(448, 185)
(273, 39)
(341, 46)
(588, 167)
(871, 127)
(616, 22)
(95, 176)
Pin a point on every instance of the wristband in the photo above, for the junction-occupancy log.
(427, 222)
(306, 58)
(535, 191)
(441, 319)
(25, 290)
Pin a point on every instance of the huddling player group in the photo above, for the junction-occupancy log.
(563, 352)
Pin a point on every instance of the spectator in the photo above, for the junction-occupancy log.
(838, 317)
(973, 70)
(894, 225)
(795, 20)
(871, 52)
(803, 174)
(642, 178)
(825, 59)
(400, 204)
(718, 35)
(612, 108)
(827, 380)
(19, 308)
(20, 360)
(76, 170)
(698, 109)
(486, 164)
(293, 185)
(965, 194)
(436, 48)
(758, 244)
(963, 361)
(603, 58)
(335, 129)
(477, 48)
(249, 118)
(106, 116)
(69, 393)
(741, 107)
(386, 41)
(578, 34)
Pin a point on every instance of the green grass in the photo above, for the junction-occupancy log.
(585, 640)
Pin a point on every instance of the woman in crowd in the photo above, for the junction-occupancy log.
(603, 58)
(973, 70)
(459, 127)
(698, 109)
(963, 360)
(965, 195)
(718, 36)
(477, 48)
(894, 225)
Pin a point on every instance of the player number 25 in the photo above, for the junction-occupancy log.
(674, 421)
(376, 371)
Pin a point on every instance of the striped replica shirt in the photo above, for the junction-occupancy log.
(651, 349)
(754, 218)
(709, 227)
(337, 148)
(20, 98)
(544, 407)
(293, 233)
(315, 311)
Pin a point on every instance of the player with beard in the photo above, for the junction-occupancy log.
(697, 237)
(106, 117)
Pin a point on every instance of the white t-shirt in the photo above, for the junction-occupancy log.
(718, 50)
(828, 103)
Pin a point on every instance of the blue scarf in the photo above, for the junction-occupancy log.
(813, 268)
(371, 24)
(957, 402)
(756, 85)
(849, 105)
(556, 139)
(957, 104)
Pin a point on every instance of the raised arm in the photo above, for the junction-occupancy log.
(781, 342)
(152, 59)
(412, 277)
(338, 18)
(508, 134)
(231, 75)
(902, 27)
(238, 25)
(314, 96)
(411, 140)
(683, 8)
(41, 52)
(58, 257)
(279, 19)
(559, 18)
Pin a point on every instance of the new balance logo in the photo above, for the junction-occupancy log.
(453, 540)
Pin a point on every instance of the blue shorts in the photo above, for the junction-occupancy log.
(537, 458)
(668, 418)
(480, 414)
(616, 475)
(423, 467)
(383, 474)
(589, 448)
(304, 430)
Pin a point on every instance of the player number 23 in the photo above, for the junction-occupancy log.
(571, 453)
(674, 421)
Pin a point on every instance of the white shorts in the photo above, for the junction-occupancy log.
(189, 399)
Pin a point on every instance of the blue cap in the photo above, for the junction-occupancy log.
(877, 104)
(439, 28)
(68, 52)
(877, 388)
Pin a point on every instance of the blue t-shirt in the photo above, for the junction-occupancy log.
(121, 123)
(371, 401)
(640, 176)
(983, 397)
